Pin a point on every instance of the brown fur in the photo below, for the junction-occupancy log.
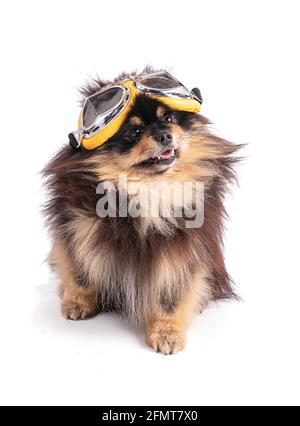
(153, 270)
(77, 302)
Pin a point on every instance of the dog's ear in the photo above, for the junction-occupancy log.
(197, 93)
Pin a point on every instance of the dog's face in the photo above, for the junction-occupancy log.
(153, 144)
(150, 141)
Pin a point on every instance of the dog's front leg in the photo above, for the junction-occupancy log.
(166, 325)
(77, 302)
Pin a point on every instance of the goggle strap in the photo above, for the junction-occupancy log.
(74, 142)
(196, 92)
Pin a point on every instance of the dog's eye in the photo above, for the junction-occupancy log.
(136, 132)
(167, 118)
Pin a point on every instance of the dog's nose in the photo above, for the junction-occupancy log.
(164, 137)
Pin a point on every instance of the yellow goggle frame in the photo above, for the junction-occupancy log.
(189, 104)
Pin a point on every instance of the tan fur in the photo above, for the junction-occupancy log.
(77, 302)
(177, 131)
(194, 147)
(165, 333)
(145, 147)
(96, 263)
(160, 111)
(136, 121)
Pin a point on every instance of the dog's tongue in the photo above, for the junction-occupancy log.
(166, 154)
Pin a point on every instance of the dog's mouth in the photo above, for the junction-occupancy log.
(163, 158)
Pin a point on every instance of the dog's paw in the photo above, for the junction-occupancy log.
(164, 337)
(75, 311)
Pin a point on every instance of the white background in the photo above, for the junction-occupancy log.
(244, 55)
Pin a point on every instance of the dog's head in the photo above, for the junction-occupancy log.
(153, 143)
(151, 139)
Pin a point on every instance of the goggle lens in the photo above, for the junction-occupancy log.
(159, 82)
(100, 104)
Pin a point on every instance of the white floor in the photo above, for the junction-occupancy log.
(237, 353)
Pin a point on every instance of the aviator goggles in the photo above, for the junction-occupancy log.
(104, 112)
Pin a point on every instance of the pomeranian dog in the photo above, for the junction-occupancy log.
(158, 270)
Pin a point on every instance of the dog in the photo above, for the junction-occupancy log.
(153, 269)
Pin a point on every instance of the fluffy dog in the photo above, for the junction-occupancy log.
(155, 270)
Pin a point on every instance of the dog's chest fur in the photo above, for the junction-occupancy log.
(129, 268)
